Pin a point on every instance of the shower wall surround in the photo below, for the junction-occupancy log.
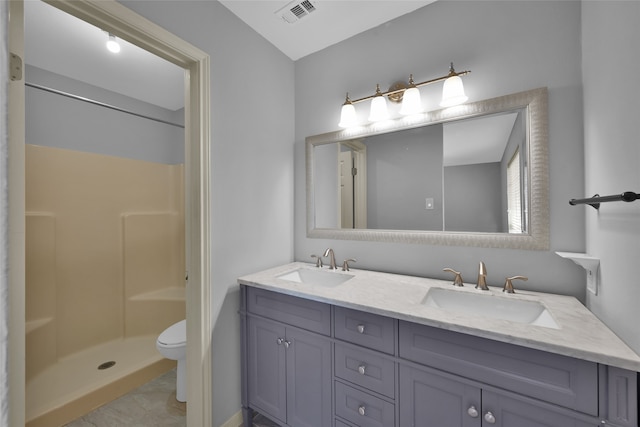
(104, 254)
(102, 232)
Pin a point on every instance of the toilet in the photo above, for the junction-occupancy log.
(172, 344)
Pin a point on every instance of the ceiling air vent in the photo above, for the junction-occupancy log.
(296, 10)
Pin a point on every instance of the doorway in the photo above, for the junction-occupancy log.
(352, 181)
(122, 22)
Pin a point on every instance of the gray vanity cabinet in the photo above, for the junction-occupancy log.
(430, 398)
(556, 379)
(511, 410)
(365, 368)
(427, 398)
(311, 364)
(288, 369)
(267, 367)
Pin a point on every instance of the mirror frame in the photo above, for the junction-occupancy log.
(535, 104)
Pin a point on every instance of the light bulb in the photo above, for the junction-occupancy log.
(411, 102)
(112, 44)
(347, 116)
(378, 109)
(453, 92)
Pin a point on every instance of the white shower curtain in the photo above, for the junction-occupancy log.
(4, 232)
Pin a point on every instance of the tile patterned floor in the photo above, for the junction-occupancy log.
(262, 421)
(151, 405)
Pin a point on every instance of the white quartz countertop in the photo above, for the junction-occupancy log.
(580, 333)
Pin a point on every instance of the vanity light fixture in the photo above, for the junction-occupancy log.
(112, 44)
(409, 95)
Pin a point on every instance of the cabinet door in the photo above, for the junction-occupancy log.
(499, 410)
(266, 372)
(308, 379)
(428, 399)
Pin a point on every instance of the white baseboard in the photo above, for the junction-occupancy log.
(235, 421)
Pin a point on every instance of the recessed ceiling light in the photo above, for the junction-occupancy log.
(112, 44)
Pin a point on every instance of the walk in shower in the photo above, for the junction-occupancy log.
(105, 257)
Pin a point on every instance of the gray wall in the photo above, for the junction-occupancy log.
(403, 169)
(252, 119)
(510, 47)
(58, 121)
(610, 30)
(472, 198)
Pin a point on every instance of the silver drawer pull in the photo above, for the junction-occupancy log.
(488, 417)
(360, 328)
(361, 369)
(473, 412)
(287, 344)
(280, 341)
(361, 410)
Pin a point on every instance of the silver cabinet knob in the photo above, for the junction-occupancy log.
(287, 344)
(360, 328)
(361, 369)
(361, 410)
(488, 417)
(473, 412)
(280, 341)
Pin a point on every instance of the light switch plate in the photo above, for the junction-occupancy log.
(429, 203)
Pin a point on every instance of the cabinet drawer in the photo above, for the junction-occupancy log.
(557, 379)
(306, 314)
(365, 329)
(366, 368)
(363, 409)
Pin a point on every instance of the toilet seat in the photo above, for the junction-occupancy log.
(175, 335)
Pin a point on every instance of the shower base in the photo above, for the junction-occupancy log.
(74, 386)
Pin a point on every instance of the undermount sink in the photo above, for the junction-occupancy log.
(493, 306)
(316, 277)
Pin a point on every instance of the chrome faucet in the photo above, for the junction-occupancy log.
(332, 258)
(482, 277)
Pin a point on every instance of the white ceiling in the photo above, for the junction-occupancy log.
(60, 43)
(479, 140)
(331, 22)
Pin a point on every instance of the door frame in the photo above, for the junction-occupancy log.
(117, 19)
(359, 153)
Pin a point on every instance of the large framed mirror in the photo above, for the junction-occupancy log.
(470, 175)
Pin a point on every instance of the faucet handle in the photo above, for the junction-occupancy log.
(457, 280)
(318, 260)
(345, 264)
(508, 286)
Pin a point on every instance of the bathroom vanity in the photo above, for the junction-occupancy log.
(360, 348)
